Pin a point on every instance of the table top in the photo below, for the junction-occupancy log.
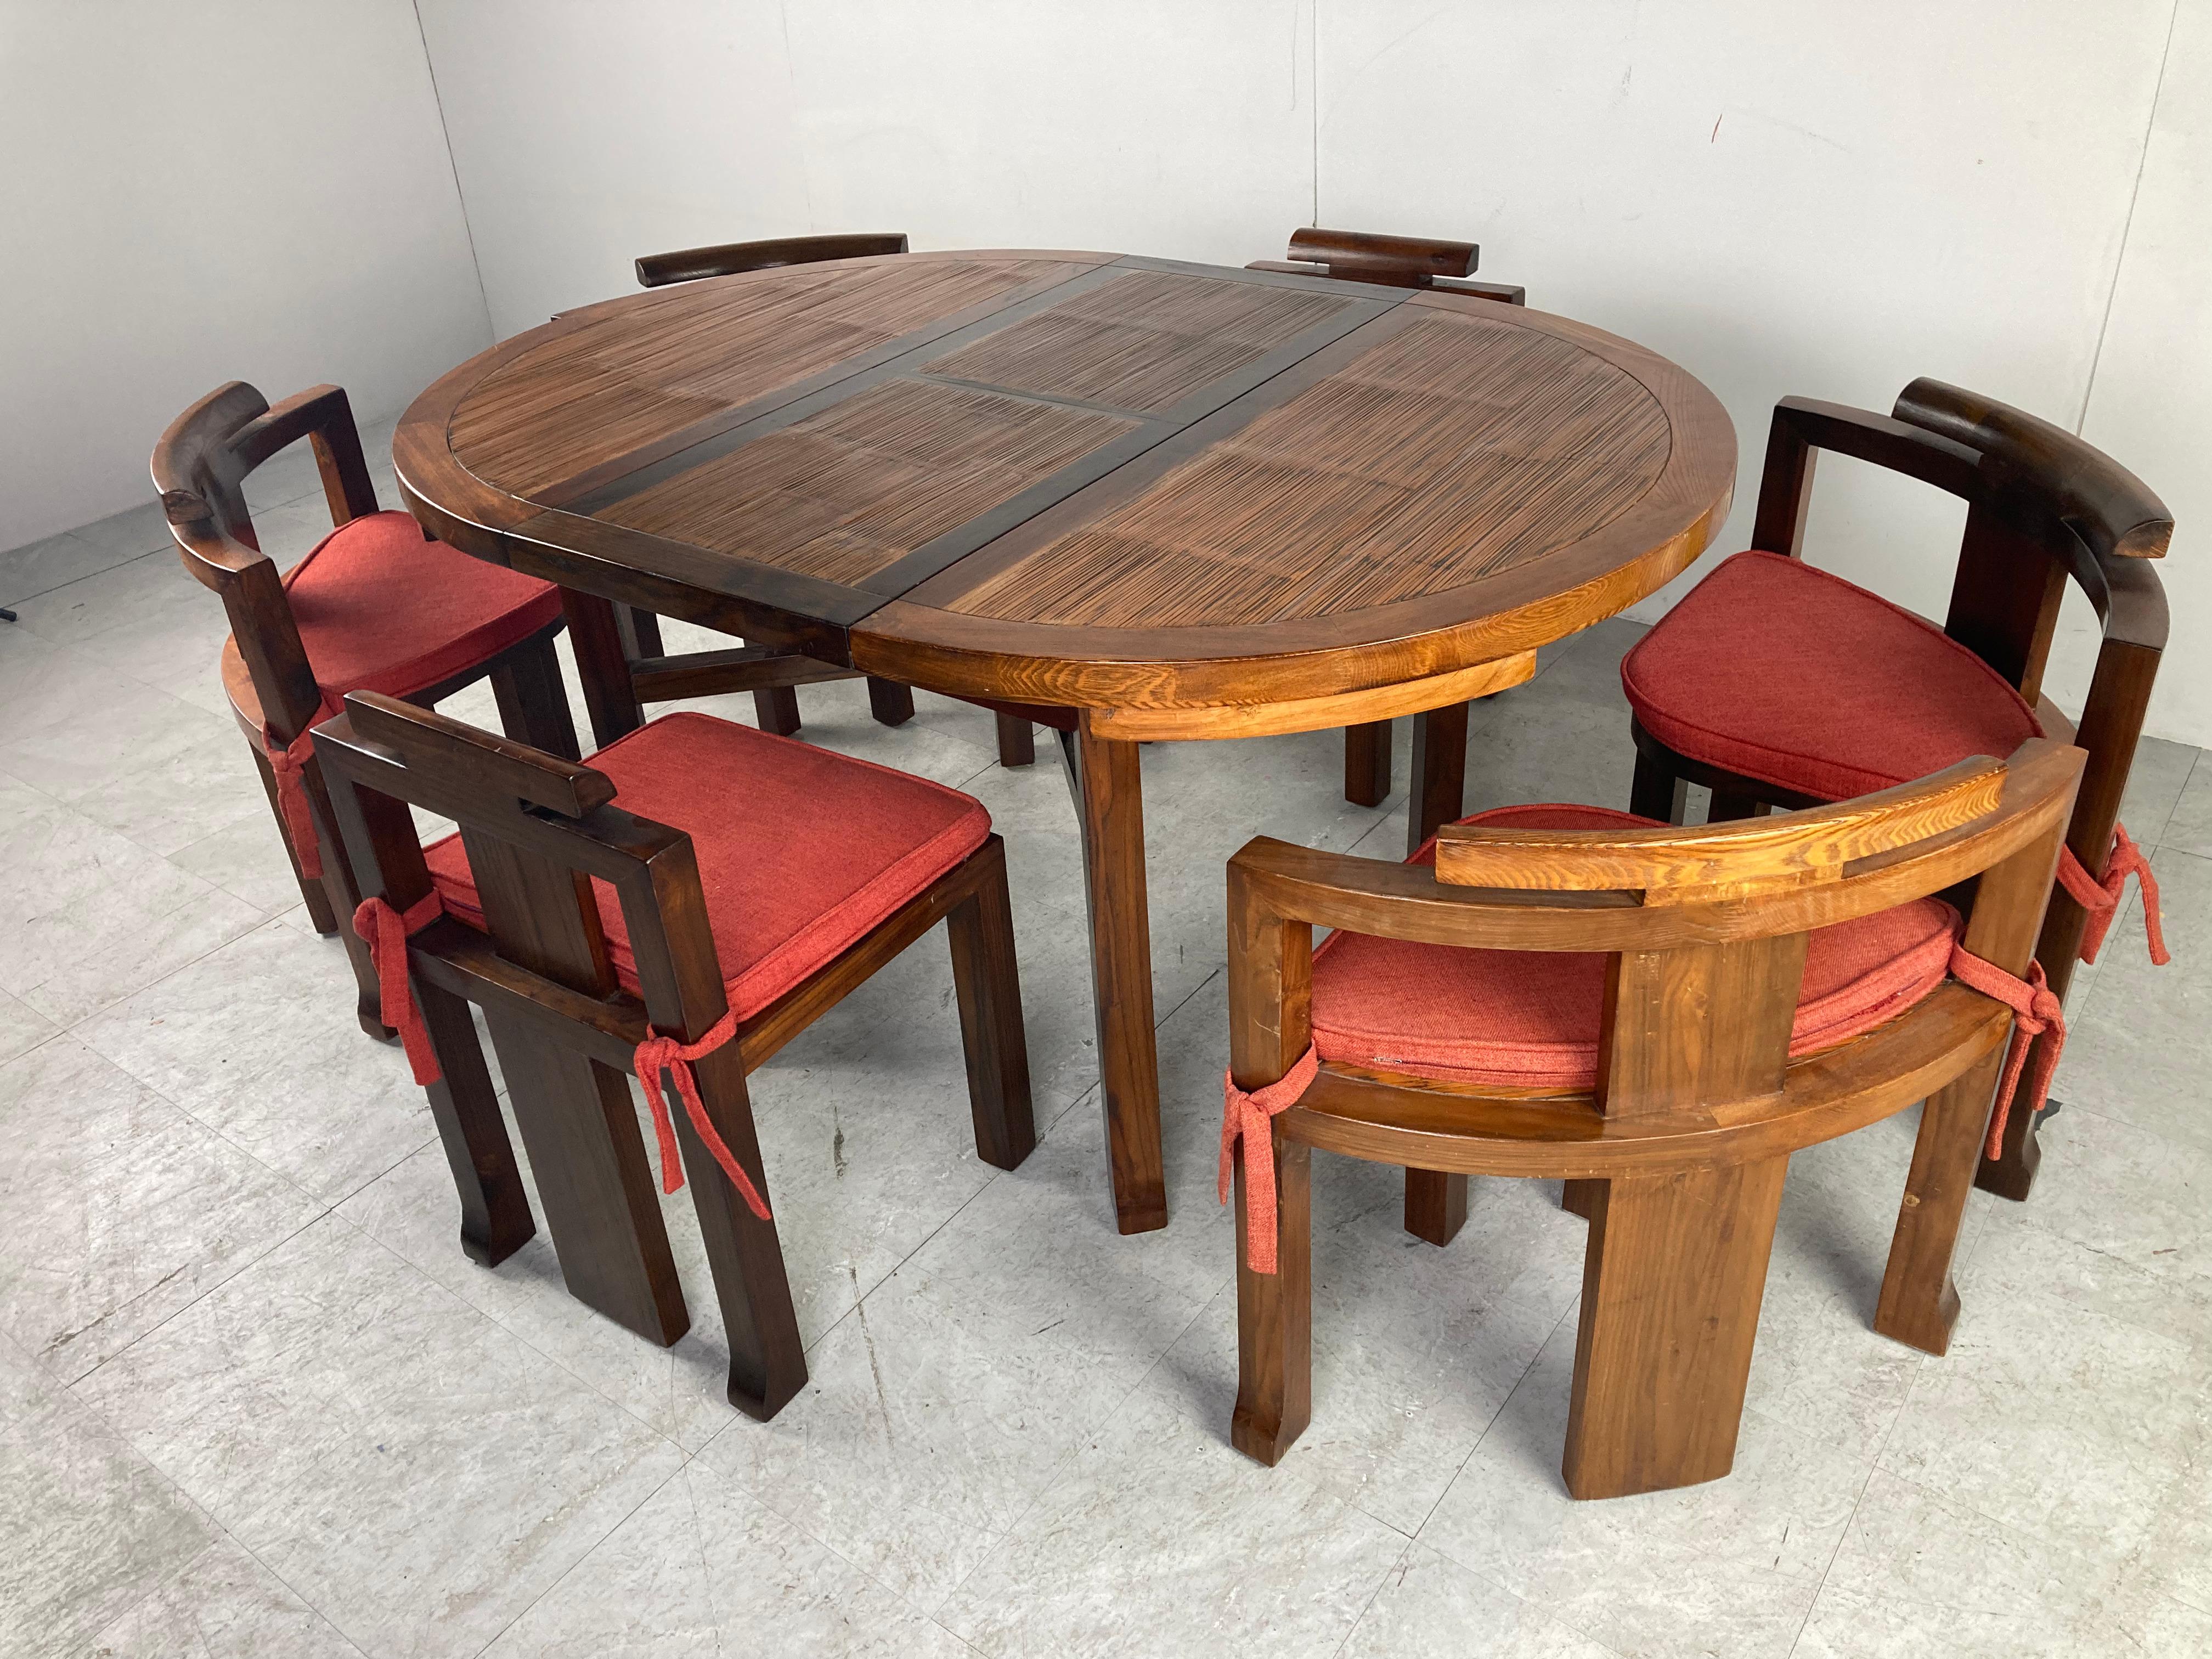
(1079, 478)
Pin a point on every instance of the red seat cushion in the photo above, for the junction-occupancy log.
(801, 852)
(1776, 671)
(1529, 1019)
(381, 607)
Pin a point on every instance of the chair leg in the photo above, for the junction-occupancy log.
(1017, 741)
(1439, 781)
(984, 977)
(1672, 1282)
(776, 709)
(1436, 1205)
(1580, 1198)
(534, 704)
(495, 1218)
(1367, 763)
(1919, 1303)
(1728, 808)
(644, 630)
(767, 1363)
(581, 1129)
(1656, 792)
(891, 703)
(1275, 1316)
(342, 895)
(311, 890)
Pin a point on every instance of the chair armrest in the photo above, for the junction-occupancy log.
(1407, 901)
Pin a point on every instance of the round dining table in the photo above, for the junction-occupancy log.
(1137, 498)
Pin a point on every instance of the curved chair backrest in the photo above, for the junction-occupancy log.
(1363, 256)
(1705, 925)
(2042, 506)
(691, 264)
(199, 467)
(2113, 511)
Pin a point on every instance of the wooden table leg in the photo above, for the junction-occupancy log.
(1439, 791)
(1367, 763)
(595, 635)
(1113, 812)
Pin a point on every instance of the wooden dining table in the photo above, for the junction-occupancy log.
(1155, 500)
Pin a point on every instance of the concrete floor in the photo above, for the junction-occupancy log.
(254, 1401)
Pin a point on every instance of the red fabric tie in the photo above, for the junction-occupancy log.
(1244, 1117)
(2035, 1010)
(289, 766)
(386, 931)
(657, 1052)
(2101, 899)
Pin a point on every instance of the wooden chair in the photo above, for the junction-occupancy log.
(377, 606)
(775, 700)
(1660, 1016)
(1777, 684)
(1439, 774)
(690, 899)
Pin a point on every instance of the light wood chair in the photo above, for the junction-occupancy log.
(1775, 684)
(377, 606)
(1439, 766)
(1659, 1015)
(688, 900)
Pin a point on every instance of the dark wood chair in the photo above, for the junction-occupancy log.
(1438, 786)
(1775, 684)
(1659, 1015)
(773, 678)
(377, 606)
(690, 899)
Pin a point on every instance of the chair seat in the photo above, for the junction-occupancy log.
(801, 852)
(1774, 671)
(1529, 1019)
(381, 607)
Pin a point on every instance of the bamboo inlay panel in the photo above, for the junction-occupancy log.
(854, 488)
(677, 357)
(1145, 340)
(1455, 448)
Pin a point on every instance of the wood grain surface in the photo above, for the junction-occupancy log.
(1080, 480)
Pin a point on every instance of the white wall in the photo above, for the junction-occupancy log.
(196, 192)
(2151, 403)
(587, 132)
(1819, 199)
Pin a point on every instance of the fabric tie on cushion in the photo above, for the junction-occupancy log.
(1245, 1116)
(288, 763)
(386, 932)
(657, 1052)
(2101, 899)
(2035, 1010)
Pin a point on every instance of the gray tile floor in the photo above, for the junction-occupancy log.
(254, 1401)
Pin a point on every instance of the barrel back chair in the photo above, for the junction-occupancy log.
(1776, 684)
(1439, 766)
(773, 677)
(377, 604)
(1660, 1016)
(688, 900)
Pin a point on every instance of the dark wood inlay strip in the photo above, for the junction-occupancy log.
(609, 487)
